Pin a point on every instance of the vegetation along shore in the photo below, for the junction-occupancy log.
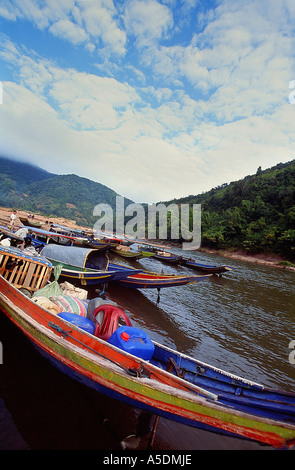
(253, 218)
(270, 260)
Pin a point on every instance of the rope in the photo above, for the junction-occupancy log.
(134, 372)
(140, 372)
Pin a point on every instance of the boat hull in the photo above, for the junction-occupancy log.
(149, 280)
(126, 397)
(88, 277)
(127, 254)
(169, 258)
(84, 243)
(206, 268)
(75, 267)
(147, 254)
(30, 223)
(125, 377)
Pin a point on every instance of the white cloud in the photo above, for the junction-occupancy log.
(241, 60)
(67, 30)
(73, 21)
(147, 20)
(9, 51)
(154, 143)
(7, 12)
(29, 126)
(88, 101)
(40, 13)
(100, 21)
(203, 157)
(83, 100)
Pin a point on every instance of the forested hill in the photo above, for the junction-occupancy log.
(28, 187)
(256, 214)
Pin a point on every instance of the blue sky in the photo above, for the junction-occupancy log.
(154, 98)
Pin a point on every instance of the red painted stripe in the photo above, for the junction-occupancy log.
(43, 317)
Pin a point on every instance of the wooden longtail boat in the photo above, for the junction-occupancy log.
(160, 254)
(206, 268)
(115, 241)
(147, 254)
(47, 236)
(72, 258)
(88, 266)
(156, 379)
(80, 237)
(67, 230)
(30, 222)
(150, 280)
(43, 237)
(144, 253)
(86, 276)
(167, 257)
(125, 252)
(91, 243)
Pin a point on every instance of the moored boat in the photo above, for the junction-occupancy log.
(159, 253)
(151, 280)
(147, 375)
(79, 237)
(42, 237)
(91, 243)
(114, 241)
(168, 257)
(147, 254)
(126, 252)
(85, 265)
(206, 268)
(30, 222)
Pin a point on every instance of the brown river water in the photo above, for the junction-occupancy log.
(241, 322)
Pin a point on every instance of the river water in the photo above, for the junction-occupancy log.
(241, 322)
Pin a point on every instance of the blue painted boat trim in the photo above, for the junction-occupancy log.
(124, 398)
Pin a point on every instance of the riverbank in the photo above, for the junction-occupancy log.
(259, 258)
(6, 212)
(268, 260)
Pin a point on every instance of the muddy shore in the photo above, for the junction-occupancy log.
(5, 214)
(269, 260)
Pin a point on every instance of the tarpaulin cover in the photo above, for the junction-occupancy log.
(76, 256)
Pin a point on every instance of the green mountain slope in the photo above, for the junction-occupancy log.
(256, 214)
(30, 188)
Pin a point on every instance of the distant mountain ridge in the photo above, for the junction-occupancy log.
(255, 214)
(30, 188)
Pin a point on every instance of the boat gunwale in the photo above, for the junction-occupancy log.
(184, 356)
(227, 418)
(86, 351)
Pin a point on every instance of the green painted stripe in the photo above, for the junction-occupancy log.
(151, 394)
